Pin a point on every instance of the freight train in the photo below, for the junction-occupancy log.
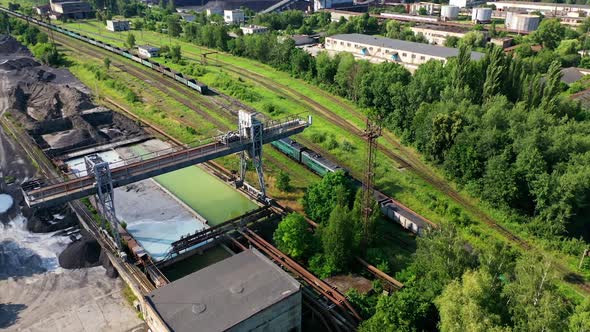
(188, 81)
(391, 208)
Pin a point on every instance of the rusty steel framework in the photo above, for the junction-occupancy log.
(372, 133)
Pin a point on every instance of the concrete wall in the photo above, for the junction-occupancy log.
(284, 316)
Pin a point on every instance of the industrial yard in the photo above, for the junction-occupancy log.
(306, 166)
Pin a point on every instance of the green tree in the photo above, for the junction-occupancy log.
(467, 305)
(130, 40)
(107, 63)
(175, 53)
(293, 237)
(533, 298)
(452, 41)
(549, 34)
(338, 238)
(174, 28)
(47, 53)
(321, 197)
(284, 181)
(364, 233)
(494, 73)
(580, 319)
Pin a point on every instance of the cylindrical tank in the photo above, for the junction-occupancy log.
(522, 22)
(449, 12)
(481, 15)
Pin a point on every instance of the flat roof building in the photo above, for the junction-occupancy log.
(71, 9)
(117, 25)
(438, 34)
(555, 8)
(147, 51)
(234, 16)
(245, 292)
(379, 49)
(253, 29)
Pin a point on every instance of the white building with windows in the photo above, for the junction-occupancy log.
(234, 16)
(117, 25)
(253, 29)
(379, 49)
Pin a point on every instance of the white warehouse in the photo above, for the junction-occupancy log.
(379, 49)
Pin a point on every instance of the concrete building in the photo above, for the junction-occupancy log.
(117, 25)
(379, 49)
(245, 292)
(71, 9)
(466, 3)
(147, 51)
(438, 34)
(253, 29)
(42, 10)
(502, 42)
(521, 22)
(235, 16)
(545, 8)
(327, 4)
(431, 8)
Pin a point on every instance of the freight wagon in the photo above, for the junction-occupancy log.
(188, 81)
(391, 208)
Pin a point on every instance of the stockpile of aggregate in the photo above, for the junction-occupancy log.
(81, 254)
(51, 104)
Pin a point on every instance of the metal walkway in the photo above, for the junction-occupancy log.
(41, 194)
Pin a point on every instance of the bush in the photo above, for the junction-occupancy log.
(347, 146)
(332, 144)
(318, 137)
(283, 181)
(319, 266)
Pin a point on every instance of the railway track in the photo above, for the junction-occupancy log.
(88, 222)
(407, 161)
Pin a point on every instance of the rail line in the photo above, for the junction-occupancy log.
(415, 165)
(88, 222)
(319, 285)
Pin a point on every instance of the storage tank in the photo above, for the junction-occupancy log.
(449, 12)
(522, 22)
(481, 15)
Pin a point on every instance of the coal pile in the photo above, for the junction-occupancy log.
(51, 219)
(81, 254)
(53, 106)
(10, 46)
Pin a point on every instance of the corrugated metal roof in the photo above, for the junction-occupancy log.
(402, 45)
(223, 294)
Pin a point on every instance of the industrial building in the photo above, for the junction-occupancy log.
(466, 3)
(327, 4)
(245, 292)
(70, 9)
(379, 49)
(438, 34)
(235, 16)
(431, 8)
(117, 25)
(147, 51)
(546, 8)
(253, 29)
(521, 22)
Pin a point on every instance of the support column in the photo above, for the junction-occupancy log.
(253, 130)
(106, 196)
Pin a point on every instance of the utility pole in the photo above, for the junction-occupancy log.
(372, 132)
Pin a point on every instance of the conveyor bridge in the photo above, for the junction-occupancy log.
(57, 191)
